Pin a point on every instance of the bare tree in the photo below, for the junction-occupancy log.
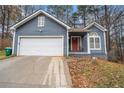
(2, 19)
(8, 14)
(60, 11)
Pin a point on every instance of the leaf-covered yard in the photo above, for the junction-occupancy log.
(100, 73)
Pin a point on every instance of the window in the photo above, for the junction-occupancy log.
(91, 43)
(94, 40)
(41, 21)
(97, 43)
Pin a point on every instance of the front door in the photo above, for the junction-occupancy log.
(75, 44)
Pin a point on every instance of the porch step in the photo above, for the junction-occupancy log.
(89, 55)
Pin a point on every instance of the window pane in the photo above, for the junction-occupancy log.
(91, 42)
(41, 20)
(38, 21)
(97, 43)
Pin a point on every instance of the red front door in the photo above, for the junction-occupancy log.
(75, 43)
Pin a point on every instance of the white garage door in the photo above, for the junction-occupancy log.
(41, 46)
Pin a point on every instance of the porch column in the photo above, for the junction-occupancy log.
(13, 40)
(88, 44)
(67, 42)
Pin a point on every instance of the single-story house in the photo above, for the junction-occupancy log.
(41, 34)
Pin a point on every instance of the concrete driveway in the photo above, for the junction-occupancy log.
(34, 72)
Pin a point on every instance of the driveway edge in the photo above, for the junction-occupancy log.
(68, 76)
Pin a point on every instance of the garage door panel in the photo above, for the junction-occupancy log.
(43, 46)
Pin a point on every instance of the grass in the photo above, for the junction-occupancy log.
(101, 73)
(2, 55)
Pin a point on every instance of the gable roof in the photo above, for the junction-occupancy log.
(85, 29)
(36, 14)
(95, 24)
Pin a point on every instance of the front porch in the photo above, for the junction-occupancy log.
(78, 42)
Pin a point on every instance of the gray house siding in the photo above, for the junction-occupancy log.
(97, 53)
(101, 34)
(51, 28)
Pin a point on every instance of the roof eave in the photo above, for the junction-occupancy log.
(35, 14)
(97, 25)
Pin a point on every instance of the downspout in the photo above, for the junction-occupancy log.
(13, 43)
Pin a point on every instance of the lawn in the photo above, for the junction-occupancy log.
(2, 55)
(100, 73)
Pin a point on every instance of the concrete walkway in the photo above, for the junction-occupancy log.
(34, 72)
(55, 74)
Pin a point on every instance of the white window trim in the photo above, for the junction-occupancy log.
(41, 21)
(95, 43)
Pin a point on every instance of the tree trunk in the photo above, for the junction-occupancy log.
(8, 19)
(67, 15)
(3, 20)
(107, 27)
(121, 40)
(84, 18)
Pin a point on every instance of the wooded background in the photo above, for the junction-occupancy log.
(109, 16)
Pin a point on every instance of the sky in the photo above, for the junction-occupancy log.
(74, 8)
